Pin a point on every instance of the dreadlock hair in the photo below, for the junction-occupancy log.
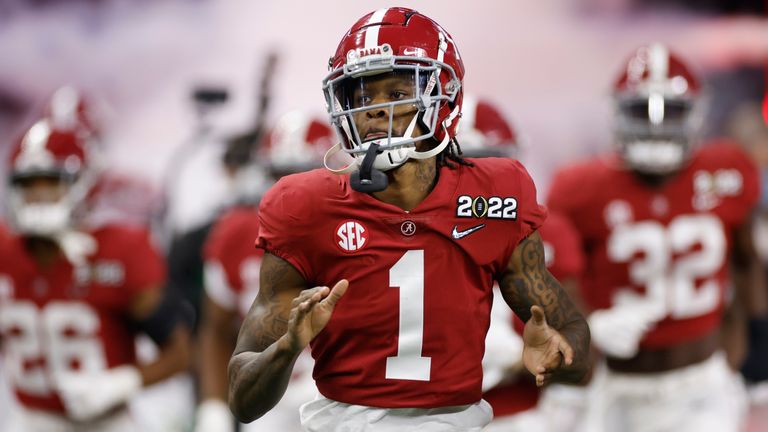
(451, 156)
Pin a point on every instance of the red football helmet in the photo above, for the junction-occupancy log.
(70, 110)
(657, 115)
(45, 152)
(297, 143)
(484, 131)
(404, 44)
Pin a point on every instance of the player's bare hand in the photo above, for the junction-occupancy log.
(311, 311)
(545, 349)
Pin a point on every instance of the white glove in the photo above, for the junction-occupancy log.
(87, 395)
(213, 416)
(76, 246)
(617, 331)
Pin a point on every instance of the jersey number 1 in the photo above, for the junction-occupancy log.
(408, 275)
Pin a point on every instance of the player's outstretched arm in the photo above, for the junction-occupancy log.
(282, 321)
(556, 336)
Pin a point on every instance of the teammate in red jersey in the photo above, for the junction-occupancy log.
(296, 143)
(74, 297)
(411, 243)
(512, 392)
(663, 223)
(518, 404)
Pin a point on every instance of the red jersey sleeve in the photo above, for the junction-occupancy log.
(144, 266)
(531, 214)
(566, 259)
(219, 279)
(561, 193)
(741, 198)
(214, 245)
(228, 248)
(284, 213)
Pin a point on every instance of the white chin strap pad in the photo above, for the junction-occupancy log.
(42, 219)
(352, 166)
(655, 156)
(388, 159)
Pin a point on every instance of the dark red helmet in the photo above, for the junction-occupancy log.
(657, 110)
(44, 150)
(484, 131)
(69, 109)
(63, 155)
(400, 42)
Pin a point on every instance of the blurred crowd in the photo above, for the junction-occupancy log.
(122, 291)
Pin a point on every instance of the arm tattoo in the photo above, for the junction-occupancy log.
(259, 369)
(267, 320)
(527, 282)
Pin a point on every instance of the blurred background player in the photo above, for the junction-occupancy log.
(76, 294)
(296, 143)
(508, 387)
(119, 197)
(9, 408)
(663, 223)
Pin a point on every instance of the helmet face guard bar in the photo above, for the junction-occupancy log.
(427, 99)
(657, 117)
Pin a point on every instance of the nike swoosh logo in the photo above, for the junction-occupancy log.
(461, 234)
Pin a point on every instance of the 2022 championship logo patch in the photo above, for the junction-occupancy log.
(480, 207)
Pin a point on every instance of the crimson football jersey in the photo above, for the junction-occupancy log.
(564, 259)
(232, 262)
(410, 330)
(60, 318)
(667, 245)
(562, 247)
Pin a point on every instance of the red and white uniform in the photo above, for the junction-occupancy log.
(667, 245)
(564, 259)
(562, 247)
(409, 333)
(232, 262)
(665, 250)
(58, 318)
(232, 282)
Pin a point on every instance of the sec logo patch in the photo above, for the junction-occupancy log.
(351, 236)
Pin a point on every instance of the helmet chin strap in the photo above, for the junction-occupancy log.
(368, 179)
(365, 177)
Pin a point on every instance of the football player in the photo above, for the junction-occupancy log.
(388, 271)
(74, 296)
(663, 222)
(296, 143)
(512, 393)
